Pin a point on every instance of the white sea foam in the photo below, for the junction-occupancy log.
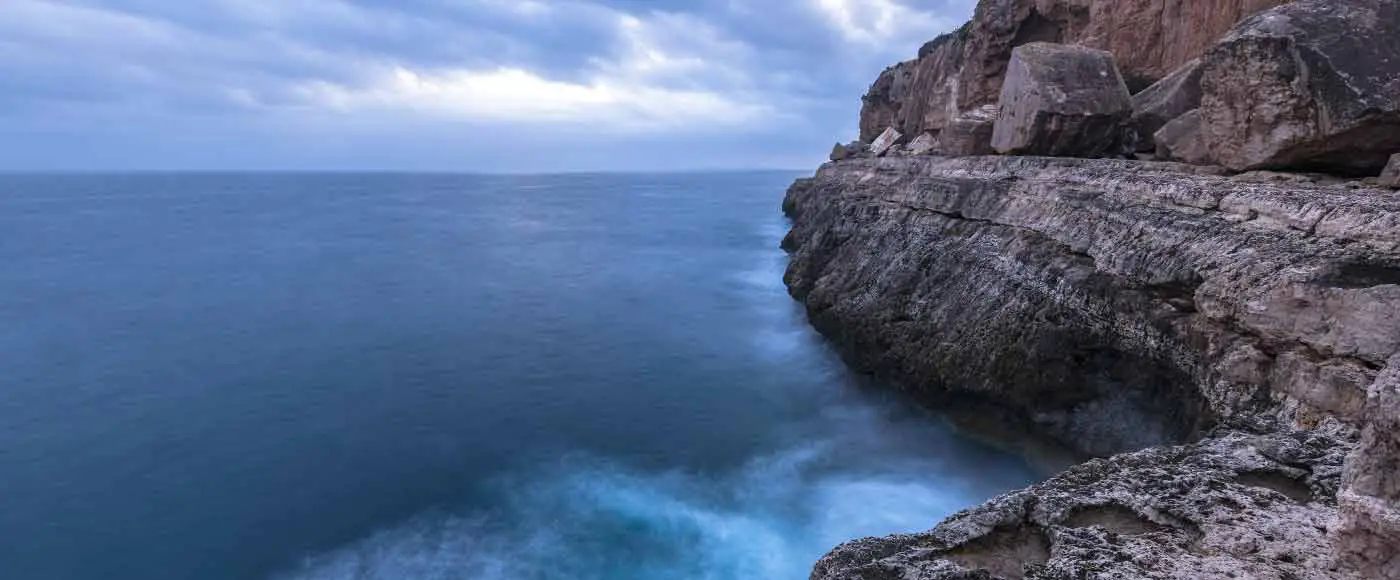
(584, 519)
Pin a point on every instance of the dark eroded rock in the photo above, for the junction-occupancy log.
(1061, 100)
(1314, 84)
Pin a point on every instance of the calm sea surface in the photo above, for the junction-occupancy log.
(435, 376)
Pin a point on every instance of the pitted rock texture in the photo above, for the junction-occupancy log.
(1232, 506)
(963, 70)
(1314, 84)
(1117, 305)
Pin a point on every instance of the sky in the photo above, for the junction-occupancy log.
(444, 85)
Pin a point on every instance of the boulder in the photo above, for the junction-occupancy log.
(1161, 103)
(884, 142)
(1181, 140)
(969, 133)
(850, 150)
(963, 70)
(1312, 85)
(1391, 176)
(1061, 100)
(922, 145)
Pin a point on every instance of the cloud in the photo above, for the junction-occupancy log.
(786, 75)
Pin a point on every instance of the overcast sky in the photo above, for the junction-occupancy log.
(463, 85)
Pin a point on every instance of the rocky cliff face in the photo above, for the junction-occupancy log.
(1117, 304)
(1121, 305)
(1232, 334)
(963, 70)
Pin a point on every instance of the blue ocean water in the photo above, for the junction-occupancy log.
(252, 376)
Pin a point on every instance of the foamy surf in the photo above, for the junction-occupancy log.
(585, 518)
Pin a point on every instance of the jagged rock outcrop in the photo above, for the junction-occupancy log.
(1061, 100)
(1368, 536)
(963, 70)
(1314, 84)
(1165, 101)
(1116, 304)
(1232, 506)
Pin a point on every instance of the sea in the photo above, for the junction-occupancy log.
(437, 376)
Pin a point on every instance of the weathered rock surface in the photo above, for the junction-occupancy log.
(1233, 506)
(963, 70)
(1314, 84)
(1061, 100)
(1117, 305)
(1165, 101)
(1368, 537)
(884, 142)
(923, 144)
(1183, 140)
(1390, 177)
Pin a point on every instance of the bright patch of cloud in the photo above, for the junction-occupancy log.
(880, 22)
(516, 96)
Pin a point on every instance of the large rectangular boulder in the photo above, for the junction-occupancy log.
(1310, 85)
(884, 142)
(1061, 100)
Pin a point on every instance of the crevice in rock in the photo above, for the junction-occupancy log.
(1114, 518)
(1356, 275)
(1004, 552)
(1279, 482)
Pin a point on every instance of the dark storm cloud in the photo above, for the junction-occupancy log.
(452, 84)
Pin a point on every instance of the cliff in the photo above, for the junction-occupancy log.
(1225, 340)
(1116, 305)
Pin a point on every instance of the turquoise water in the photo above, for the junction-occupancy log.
(435, 376)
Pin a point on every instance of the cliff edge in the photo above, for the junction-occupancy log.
(1226, 340)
